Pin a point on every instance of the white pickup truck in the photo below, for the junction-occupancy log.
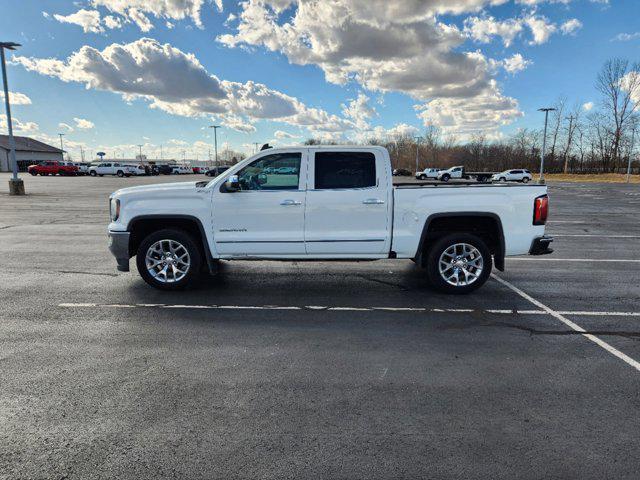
(325, 203)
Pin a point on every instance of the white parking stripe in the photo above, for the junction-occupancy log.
(592, 235)
(554, 259)
(574, 326)
(581, 313)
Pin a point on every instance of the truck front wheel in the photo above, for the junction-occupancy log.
(446, 177)
(169, 260)
(458, 263)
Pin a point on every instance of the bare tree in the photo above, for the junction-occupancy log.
(619, 85)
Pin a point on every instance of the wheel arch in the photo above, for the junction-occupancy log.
(486, 225)
(141, 226)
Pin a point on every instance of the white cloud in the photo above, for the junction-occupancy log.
(136, 11)
(516, 63)
(359, 111)
(570, 27)
(65, 126)
(626, 37)
(89, 20)
(83, 123)
(16, 98)
(45, 14)
(541, 29)
(483, 113)
(19, 127)
(177, 83)
(112, 22)
(483, 29)
(588, 106)
(280, 134)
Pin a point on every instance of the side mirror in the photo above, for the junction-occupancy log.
(232, 184)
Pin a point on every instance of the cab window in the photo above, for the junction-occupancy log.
(344, 170)
(280, 171)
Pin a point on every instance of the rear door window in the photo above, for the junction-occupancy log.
(339, 170)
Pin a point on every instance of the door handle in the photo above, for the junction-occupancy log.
(290, 202)
(373, 201)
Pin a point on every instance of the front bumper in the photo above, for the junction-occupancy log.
(540, 246)
(119, 247)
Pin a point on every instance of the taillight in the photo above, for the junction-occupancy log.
(540, 210)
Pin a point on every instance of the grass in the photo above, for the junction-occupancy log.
(590, 178)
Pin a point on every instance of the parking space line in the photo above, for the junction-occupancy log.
(592, 235)
(505, 311)
(574, 326)
(553, 259)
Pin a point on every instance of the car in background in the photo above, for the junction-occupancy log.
(112, 168)
(165, 169)
(83, 168)
(138, 169)
(180, 170)
(401, 172)
(286, 171)
(215, 171)
(53, 168)
(199, 170)
(518, 175)
(427, 173)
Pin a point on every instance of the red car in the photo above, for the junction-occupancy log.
(53, 168)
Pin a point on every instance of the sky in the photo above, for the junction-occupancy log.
(115, 74)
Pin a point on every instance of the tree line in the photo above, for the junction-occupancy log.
(581, 138)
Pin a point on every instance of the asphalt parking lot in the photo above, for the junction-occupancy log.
(317, 370)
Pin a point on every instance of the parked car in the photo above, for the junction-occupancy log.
(165, 169)
(53, 168)
(215, 171)
(138, 169)
(180, 170)
(401, 172)
(427, 173)
(461, 173)
(83, 168)
(112, 168)
(523, 176)
(286, 171)
(199, 170)
(346, 207)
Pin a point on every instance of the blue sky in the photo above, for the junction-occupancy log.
(283, 71)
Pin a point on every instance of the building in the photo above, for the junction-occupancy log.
(28, 152)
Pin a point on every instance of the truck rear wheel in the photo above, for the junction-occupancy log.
(458, 263)
(169, 260)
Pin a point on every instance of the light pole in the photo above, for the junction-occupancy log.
(418, 140)
(544, 142)
(215, 141)
(16, 185)
(140, 150)
(61, 145)
(633, 139)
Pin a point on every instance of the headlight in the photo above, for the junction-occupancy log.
(114, 209)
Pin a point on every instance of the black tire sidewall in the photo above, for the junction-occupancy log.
(189, 243)
(441, 245)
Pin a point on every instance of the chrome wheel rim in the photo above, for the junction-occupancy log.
(461, 264)
(167, 261)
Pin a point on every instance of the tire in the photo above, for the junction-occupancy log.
(33, 173)
(93, 173)
(186, 244)
(446, 178)
(502, 179)
(120, 173)
(423, 177)
(475, 245)
(525, 180)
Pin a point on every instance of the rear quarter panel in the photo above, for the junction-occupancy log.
(512, 204)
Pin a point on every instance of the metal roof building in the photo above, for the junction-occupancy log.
(28, 152)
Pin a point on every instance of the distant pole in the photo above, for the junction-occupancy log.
(16, 185)
(544, 142)
(418, 139)
(633, 139)
(255, 147)
(215, 140)
(140, 150)
(61, 144)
